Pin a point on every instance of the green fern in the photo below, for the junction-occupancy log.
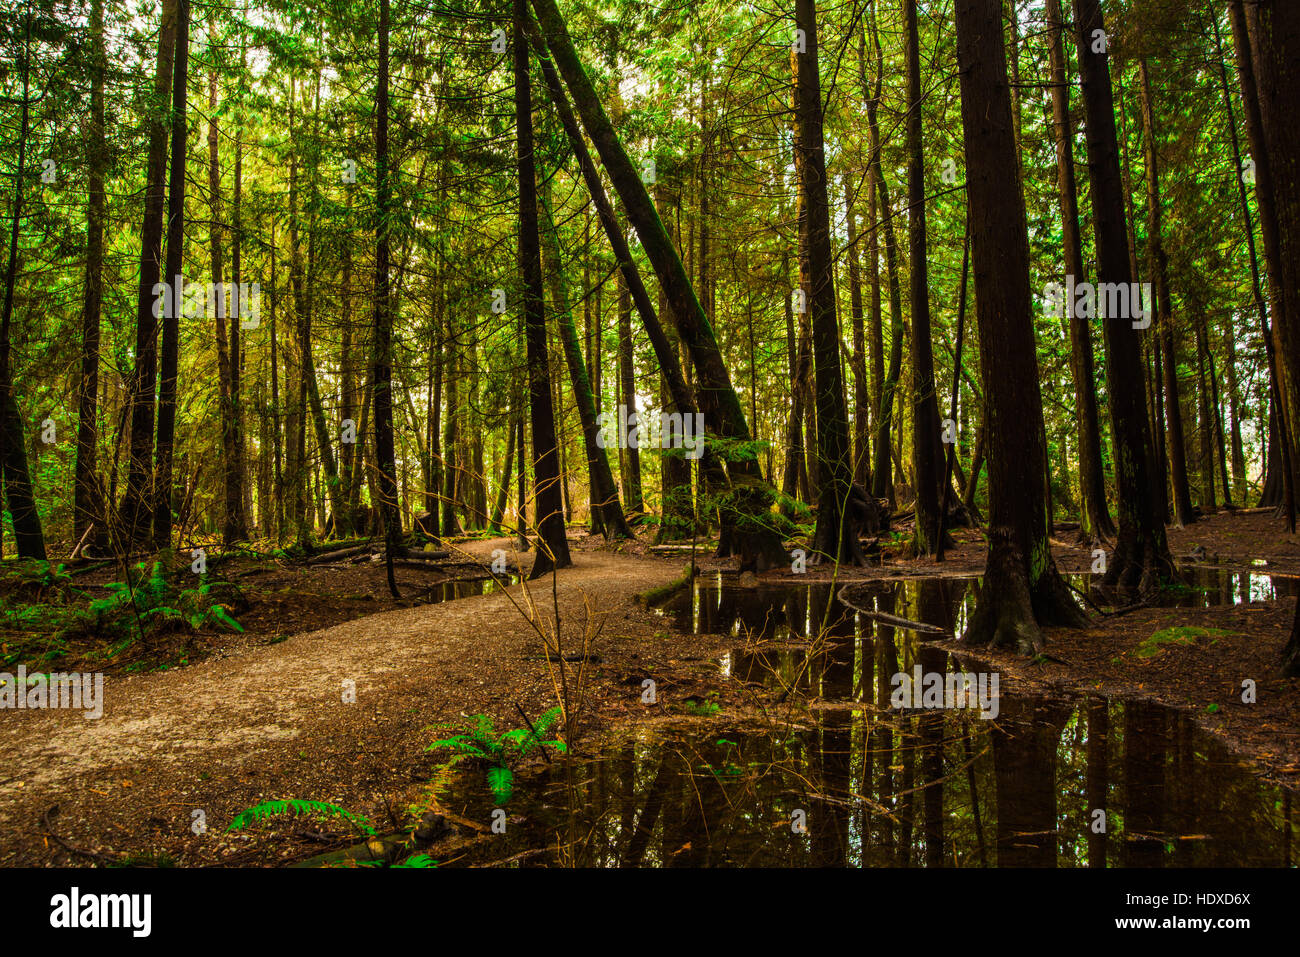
(501, 781)
(501, 751)
(295, 806)
(220, 614)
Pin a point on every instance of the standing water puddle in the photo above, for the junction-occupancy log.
(461, 588)
(850, 782)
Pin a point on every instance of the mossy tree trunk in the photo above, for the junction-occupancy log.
(747, 529)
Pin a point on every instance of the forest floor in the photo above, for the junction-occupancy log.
(262, 715)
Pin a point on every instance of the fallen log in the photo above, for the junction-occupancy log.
(337, 555)
(412, 563)
(417, 555)
(892, 620)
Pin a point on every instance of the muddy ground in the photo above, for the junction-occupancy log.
(260, 715)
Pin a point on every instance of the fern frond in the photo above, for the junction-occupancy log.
(297, 807)
(501, 781)
(547, 720)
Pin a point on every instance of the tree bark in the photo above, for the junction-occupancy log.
(1177, 445)
(861, 386)
(134, 514)
(838, 509)
(88, 493)
(382, 370)
(164, 493)
(552, 545)
(1022, 589)
(926, 447)
(1141, 555)
(1094, 516)
(604, 496)
(1274, 33)
(746, 506)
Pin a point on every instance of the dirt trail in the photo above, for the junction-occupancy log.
(224, 734)
(271, 722)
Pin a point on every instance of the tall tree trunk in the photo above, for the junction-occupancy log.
(310, 383)
(1094, 516)
(926, 447)
(503, 490)
(1204, 424)
(627, 386)
(1141, 555)
(18, 487)
(276, 450)
(382, 370)
(236, 467)
(232, 529)
(1182, 496)
(433, 470)
(1274, 33)
(88, 494)
(796, 477)
(1022, 589)
(861, 386)
(521, 472)
(476, 498)
(134, 514)
(296, 456)
(552, 545)
(348, 393)
(451, 437)
(838, 509)
(876, 346)
(164, 493)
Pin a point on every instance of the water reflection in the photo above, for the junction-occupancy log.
(462, 588)
(1049, 782)
(932, 790)
(797, 612)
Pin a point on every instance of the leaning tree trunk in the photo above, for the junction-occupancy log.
(1274, 32)
(1141, 555)
(1249, 91)
(746, 507)
(604, 496)
(665, 348)
(1022, 589)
